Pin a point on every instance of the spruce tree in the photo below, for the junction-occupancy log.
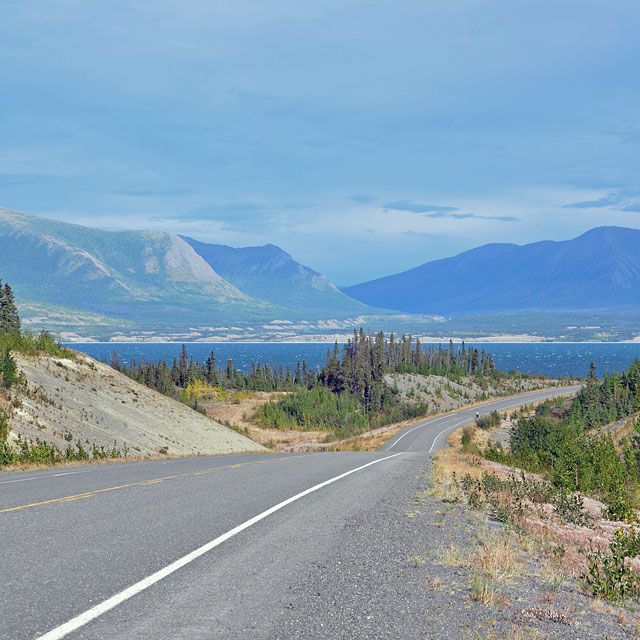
(9, 318)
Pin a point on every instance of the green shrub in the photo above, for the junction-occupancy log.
(34, 343)
(489, 421)
(4, 426)
(468, 436)
(609, 575)
(42, 452)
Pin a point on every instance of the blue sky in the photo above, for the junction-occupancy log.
(364, 138)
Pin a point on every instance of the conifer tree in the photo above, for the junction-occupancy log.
(9, 318)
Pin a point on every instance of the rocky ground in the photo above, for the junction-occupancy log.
(442, 394)
(66, 401)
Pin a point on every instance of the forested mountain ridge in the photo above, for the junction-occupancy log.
(598, 270)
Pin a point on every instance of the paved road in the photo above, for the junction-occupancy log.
(206, 547)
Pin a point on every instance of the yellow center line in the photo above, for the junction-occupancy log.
(91, 494)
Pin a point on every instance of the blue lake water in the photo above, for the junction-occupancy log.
(550, 358)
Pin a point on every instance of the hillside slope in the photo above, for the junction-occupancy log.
(271, 274)
(66, 401)
(133, 265)
(598, 270)
(81, 282)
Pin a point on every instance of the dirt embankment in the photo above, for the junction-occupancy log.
(67, 401)
(441, 394)
(527, 555)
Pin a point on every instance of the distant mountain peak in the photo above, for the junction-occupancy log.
(270, 273)
(599, 269)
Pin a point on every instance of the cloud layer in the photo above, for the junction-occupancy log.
(328, 127)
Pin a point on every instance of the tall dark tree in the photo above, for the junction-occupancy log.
(9, 318)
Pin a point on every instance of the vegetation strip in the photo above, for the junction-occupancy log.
(90, 494)
(360, 388)
(95, 612)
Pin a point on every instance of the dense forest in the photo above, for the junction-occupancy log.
(348, 395)
(566, 444)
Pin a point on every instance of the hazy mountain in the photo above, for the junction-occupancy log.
(598, 270)
(271, 274)
(105, 271)
(67, 276)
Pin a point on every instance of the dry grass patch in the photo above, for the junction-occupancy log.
(482, 590)
(553, 573)
(515, 633)
(497, 558)
(452, 556)
(447, 467)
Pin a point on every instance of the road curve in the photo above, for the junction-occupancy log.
(431, 435)
(206, 547)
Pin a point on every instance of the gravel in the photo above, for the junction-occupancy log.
(389, 580)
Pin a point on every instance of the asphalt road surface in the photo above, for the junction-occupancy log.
(207, 547)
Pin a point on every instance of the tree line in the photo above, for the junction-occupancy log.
(348, 394)
(358, 367)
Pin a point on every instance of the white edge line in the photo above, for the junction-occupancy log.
(453, 426)
(129, 592)
(44, 477)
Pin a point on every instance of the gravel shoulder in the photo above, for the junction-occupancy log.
(411, 566)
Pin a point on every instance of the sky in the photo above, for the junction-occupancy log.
(364, 138)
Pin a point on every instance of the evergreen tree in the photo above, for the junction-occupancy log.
(212, 374)
(9, 318)
(8, 368)
(115, 362)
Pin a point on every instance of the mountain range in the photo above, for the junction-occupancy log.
(598, 270)
(82, 282)
(149, 280)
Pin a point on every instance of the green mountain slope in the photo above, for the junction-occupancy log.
(127, 273)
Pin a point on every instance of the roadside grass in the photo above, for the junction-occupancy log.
(563, 539)
(515, 633)
(452, 556)
(34, 466)
(482, 590)
(496, 558)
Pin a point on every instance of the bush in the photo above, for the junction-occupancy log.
(468, 436)
(34, 343)
(4, 426)
(609, 575)
(489, 421)
(507, 500)
(342, 414)
(42, 452)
